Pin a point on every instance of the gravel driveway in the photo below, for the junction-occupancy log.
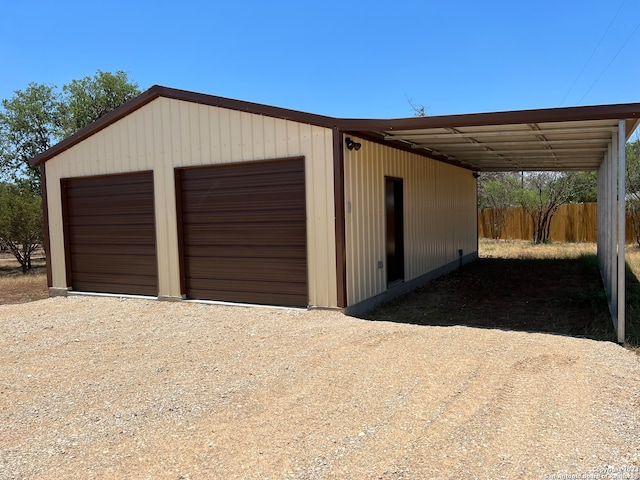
(114, 388)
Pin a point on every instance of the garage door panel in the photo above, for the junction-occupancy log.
(242, 216)
(203, 252)
(280, 166)
(261, 269)
(98, 220)
(239, 201)
(133, 285)
(110, 235)
(244, 232)
(248, 286)
(267, 181)
(126, 189)
(113, 235)
(112, 205)
(282, 298)
(111, 249)
(116, 181)
(115, 264)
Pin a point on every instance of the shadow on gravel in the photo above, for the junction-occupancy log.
(561, 296)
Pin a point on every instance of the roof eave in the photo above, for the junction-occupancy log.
(625, 111)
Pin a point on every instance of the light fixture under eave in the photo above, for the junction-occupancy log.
(351, 145)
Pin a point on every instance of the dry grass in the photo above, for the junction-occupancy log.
(16, 287)
(524, 249)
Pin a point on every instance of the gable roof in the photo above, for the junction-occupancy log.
(571, 138)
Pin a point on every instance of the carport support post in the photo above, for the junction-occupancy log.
(622, 168)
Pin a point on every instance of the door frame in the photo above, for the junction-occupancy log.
(394, 234)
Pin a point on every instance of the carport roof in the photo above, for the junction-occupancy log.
(572, 138)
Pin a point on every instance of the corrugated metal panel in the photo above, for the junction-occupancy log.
(110, 233)
(244, 231)
(166, 134)
(439, 215)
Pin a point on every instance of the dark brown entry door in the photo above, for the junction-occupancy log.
(243, 229)
(110, 237)
(394, 230)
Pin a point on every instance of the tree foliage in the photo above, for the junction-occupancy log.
(633, 186)
(541, 195)
(583, 187)
(497, 191)
(86, 100)
(38, 117)
(20, 221)
(29, 125)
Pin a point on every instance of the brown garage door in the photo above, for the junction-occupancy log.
(244, 232)
(110, 234)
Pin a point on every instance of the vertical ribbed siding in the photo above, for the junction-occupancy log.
(440, 215)
(166, 134)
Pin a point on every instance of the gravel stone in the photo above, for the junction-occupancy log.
(95, 387)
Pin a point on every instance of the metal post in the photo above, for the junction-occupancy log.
(622, 168)
(613, 229)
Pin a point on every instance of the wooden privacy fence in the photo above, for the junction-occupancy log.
(575, 222)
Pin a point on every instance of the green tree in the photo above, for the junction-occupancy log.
(541, 195)
(38, 117)
(86, 100)
(29, 125)
(584, 187)
(497, 191)
(633, 186)
(20, 221)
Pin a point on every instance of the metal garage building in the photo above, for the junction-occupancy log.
(183, 195)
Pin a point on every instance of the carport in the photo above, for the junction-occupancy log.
(561, 139)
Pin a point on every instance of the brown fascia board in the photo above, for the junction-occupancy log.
(184, 95)
(625, 111)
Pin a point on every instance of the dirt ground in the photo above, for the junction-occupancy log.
(18, 288)
(563, 296)
(132, 389)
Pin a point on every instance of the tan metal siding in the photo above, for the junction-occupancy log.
(166, 134)
(439, 215)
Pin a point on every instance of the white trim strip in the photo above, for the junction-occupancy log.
(621, 230)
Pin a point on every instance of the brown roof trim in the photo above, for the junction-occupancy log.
(629, 112)
(626, 111)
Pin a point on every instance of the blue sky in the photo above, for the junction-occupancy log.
(362, 59)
